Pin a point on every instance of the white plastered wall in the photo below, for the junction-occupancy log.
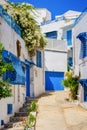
(55, 61)
(37, 81)
(9, 38)
(80, 27)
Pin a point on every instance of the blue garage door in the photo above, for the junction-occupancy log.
(53, 81)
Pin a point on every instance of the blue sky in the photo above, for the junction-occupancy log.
(57, 7)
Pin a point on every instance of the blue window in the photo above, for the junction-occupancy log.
(83, 52)
(83, 38)
(52, 34)
(69, 37)
(70, 61)
(38, 59)
(9, 109)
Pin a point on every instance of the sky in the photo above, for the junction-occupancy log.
(57, 7)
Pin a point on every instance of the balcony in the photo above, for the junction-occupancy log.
(10, 21)
(56, 45)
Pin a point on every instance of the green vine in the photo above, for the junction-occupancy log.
(71, 83)
(5, 88)
(31, 32)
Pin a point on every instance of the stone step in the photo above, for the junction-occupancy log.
(30, 99)
(21, 114)
(17, 119)
(8, 125)
(24, 109)
(13, 125)
(17, 128)
(26, 105)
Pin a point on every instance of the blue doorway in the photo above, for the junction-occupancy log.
(85, 93)
(27, 80)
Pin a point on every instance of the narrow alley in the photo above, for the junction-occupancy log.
(56, 113)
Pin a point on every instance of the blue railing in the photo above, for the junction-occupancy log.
(17, 76)
(9, 20)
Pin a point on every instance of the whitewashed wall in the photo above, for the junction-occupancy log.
(55, 61)
(9, 38)
(56, 26)
(37, 81)
(40, 14)
(80, 27)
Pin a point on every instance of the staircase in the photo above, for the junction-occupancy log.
(19, 120)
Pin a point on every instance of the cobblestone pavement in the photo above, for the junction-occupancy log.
(56, 113)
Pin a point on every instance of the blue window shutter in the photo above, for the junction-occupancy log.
(83, 52)
(86, 47)
(69, 37)
(9, 109)
(38, 59)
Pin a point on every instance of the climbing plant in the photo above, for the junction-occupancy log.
(5, 90)
(31, 33)
(71, 82)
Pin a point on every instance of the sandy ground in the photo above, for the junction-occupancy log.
(56, 113)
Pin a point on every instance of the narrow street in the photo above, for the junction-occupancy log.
(56, 113)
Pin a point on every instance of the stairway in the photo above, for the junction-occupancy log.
(19, 120)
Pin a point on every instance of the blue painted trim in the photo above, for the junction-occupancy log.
(9, 109)
(2, 122)
(83, 38)
(39, 59)
(10, 21)
(29, 62)
(17, 76)
(83, 82)
(85, 93)
(27, 80)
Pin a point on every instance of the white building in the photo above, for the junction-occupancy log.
(55, 64)
(61, 29)
(80, 55)
(41, 15)
(29, 82)
(59, 32)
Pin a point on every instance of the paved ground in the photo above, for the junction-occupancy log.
(55, 113)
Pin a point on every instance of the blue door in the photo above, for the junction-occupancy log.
(85, 93)
(27, 80)
(53, 81)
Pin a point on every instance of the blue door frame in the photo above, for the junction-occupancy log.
(27, 80)
(85, 93)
